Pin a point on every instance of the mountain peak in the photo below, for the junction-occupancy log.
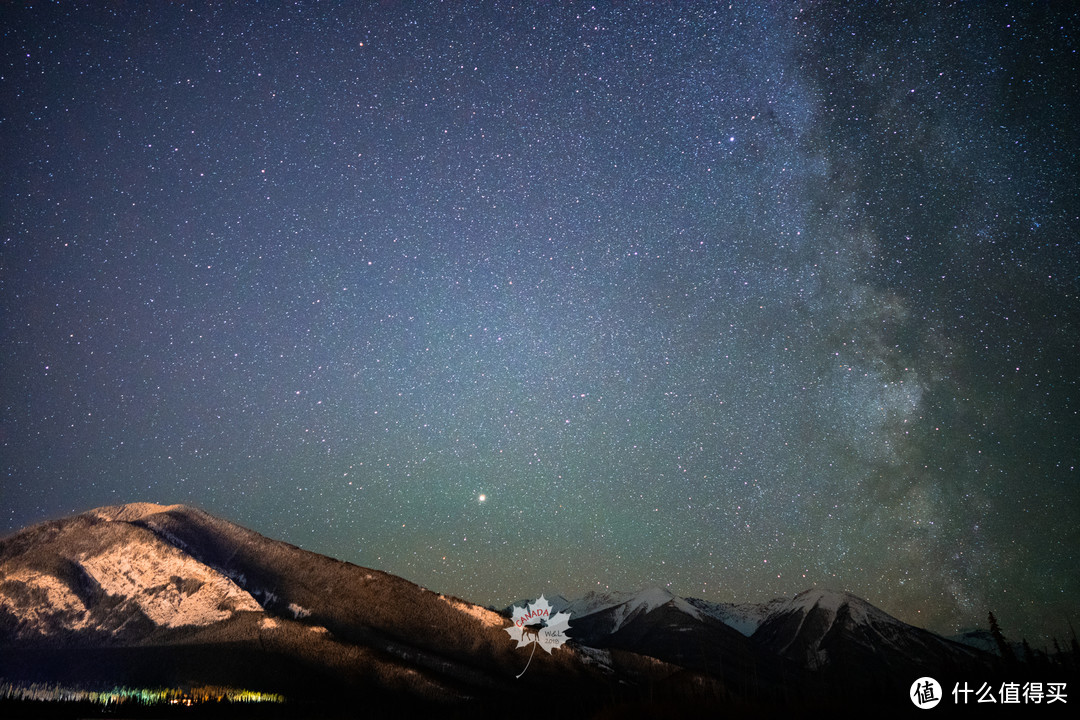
(824, 598)
(832, 601)
(130, 512)
(654, 597)
(619, 608)
(107, 573)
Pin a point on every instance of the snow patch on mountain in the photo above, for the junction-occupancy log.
(745, 618)
(486, 617)
(594, 602)
(172, 589)
(626, 606)
(830, 601)
(298, 612)
(42, 601)
(130, 512)
(596, 657)
(979, 639)
(652, 598)
(162, 531)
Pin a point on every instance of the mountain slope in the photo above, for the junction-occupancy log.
(111, 581)
(110, 588)
(612, 610)
(149, 595)
(838, 636)
(744, 617)
(662, 625)
(825, 646)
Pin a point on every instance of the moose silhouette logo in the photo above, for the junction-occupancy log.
(531, 631)
(535, 625)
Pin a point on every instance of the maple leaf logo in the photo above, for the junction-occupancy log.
(535, 625)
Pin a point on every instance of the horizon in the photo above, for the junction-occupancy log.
(551, 593)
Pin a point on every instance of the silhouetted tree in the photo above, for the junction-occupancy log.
(1003, 646)
(1074, 647)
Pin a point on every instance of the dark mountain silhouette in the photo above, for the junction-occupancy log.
(656, 623)
(151, 596)
(838, 636)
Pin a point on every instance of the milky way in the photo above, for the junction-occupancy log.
(731, 300)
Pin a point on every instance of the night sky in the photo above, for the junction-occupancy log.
(521, 298)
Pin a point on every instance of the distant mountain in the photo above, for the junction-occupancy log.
(821, 628)
(979, 639)
(659, 624)
(148, 595)
(839, 637)
(744, 617)
(984, 640)
(820, 644)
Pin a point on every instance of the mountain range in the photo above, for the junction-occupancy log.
(146, 595)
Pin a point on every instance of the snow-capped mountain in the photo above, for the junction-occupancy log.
(148, 595)
(838, 632)
(619, 608)
(660, 624)
(151, 595)
(744, 617)
(115, 578)
(776, 642)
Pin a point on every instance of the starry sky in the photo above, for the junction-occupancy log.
(735, 300)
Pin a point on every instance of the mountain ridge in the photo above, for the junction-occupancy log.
(172, 593)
